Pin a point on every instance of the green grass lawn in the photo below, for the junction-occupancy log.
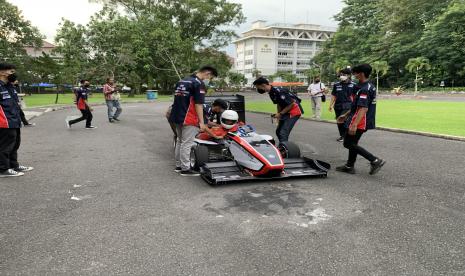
(49, 99)
(427, 116)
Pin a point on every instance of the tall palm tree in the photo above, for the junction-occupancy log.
(415, 65)
(380, 68)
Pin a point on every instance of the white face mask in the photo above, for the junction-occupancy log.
(343, 78)
(206, 82)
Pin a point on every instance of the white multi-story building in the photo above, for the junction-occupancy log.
(279, 47)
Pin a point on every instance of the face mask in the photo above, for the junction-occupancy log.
(206, 82)
(261, 91)
(343, 78)
(86, 85)
(354, 79)
(12, 78)
(317, 81)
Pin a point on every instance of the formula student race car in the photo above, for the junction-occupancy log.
(246, 155)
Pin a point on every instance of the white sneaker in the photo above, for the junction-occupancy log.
(11, 173)
(24, 169)
(67, 123)
(91, 127)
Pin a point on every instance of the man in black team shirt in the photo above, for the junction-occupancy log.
(341, 99)
(360, 119)
(187, 114)
(288, 105)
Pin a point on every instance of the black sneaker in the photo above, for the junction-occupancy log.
(178, 169)
(376, 166)
(111, 120)
(11, 173)
(340, 139)
(116, 119)
(189, 173)
(346, 169)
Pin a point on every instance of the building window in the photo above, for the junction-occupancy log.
(249, 61)
(286, 44)
(249, 53)
(285, 63)
(305, 44)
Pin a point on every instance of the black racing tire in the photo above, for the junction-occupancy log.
(289, 150)
(199, 156)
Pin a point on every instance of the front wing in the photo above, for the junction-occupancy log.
(217, 173)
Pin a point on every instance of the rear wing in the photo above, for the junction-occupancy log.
(236, 103)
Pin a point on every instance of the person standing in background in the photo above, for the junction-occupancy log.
(112, 98)
(316, 91)
(341, 98)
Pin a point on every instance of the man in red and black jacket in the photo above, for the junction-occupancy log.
(187, 115)
(288, 105)
(10, 124)
(82, 94)
(359, 120)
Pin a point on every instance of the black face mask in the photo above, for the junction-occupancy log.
(261, 91)
(86, 85)
(317, 81)
(12, 78)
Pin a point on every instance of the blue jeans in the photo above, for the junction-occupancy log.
(113, 104)
(285, 127)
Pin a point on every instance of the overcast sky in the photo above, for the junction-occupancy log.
(46, 14)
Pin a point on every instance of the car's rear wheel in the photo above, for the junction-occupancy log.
(199, 156)
(289, 150)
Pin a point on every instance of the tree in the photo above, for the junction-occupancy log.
(312, 73)
(236, 79)
(256, 73)
(415, 65)
(16, 33)
(443, 43)
(380, 68)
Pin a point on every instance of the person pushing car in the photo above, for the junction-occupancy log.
(288, 105)
(187, 114)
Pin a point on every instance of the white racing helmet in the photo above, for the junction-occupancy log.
(229, 118)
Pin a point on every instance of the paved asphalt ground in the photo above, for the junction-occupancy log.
(107, 202)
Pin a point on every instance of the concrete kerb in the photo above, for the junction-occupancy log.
(50, 108)
(395, 130)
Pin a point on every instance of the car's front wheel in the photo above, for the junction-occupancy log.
(198, 157)
(289, 150)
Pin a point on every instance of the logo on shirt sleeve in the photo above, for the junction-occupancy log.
(363, 96)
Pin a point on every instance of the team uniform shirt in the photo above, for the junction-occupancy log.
(283, 98)
(210, 116)
(344, 93)
(365, 96)
(9, 108)
(188, 93)
(82, 94)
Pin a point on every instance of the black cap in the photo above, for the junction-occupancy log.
(261, 80)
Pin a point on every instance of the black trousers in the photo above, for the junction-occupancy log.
(86, 115)
(351, 143)
(285, 127)
(23, 117)
(10, 140)
(341, 127)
